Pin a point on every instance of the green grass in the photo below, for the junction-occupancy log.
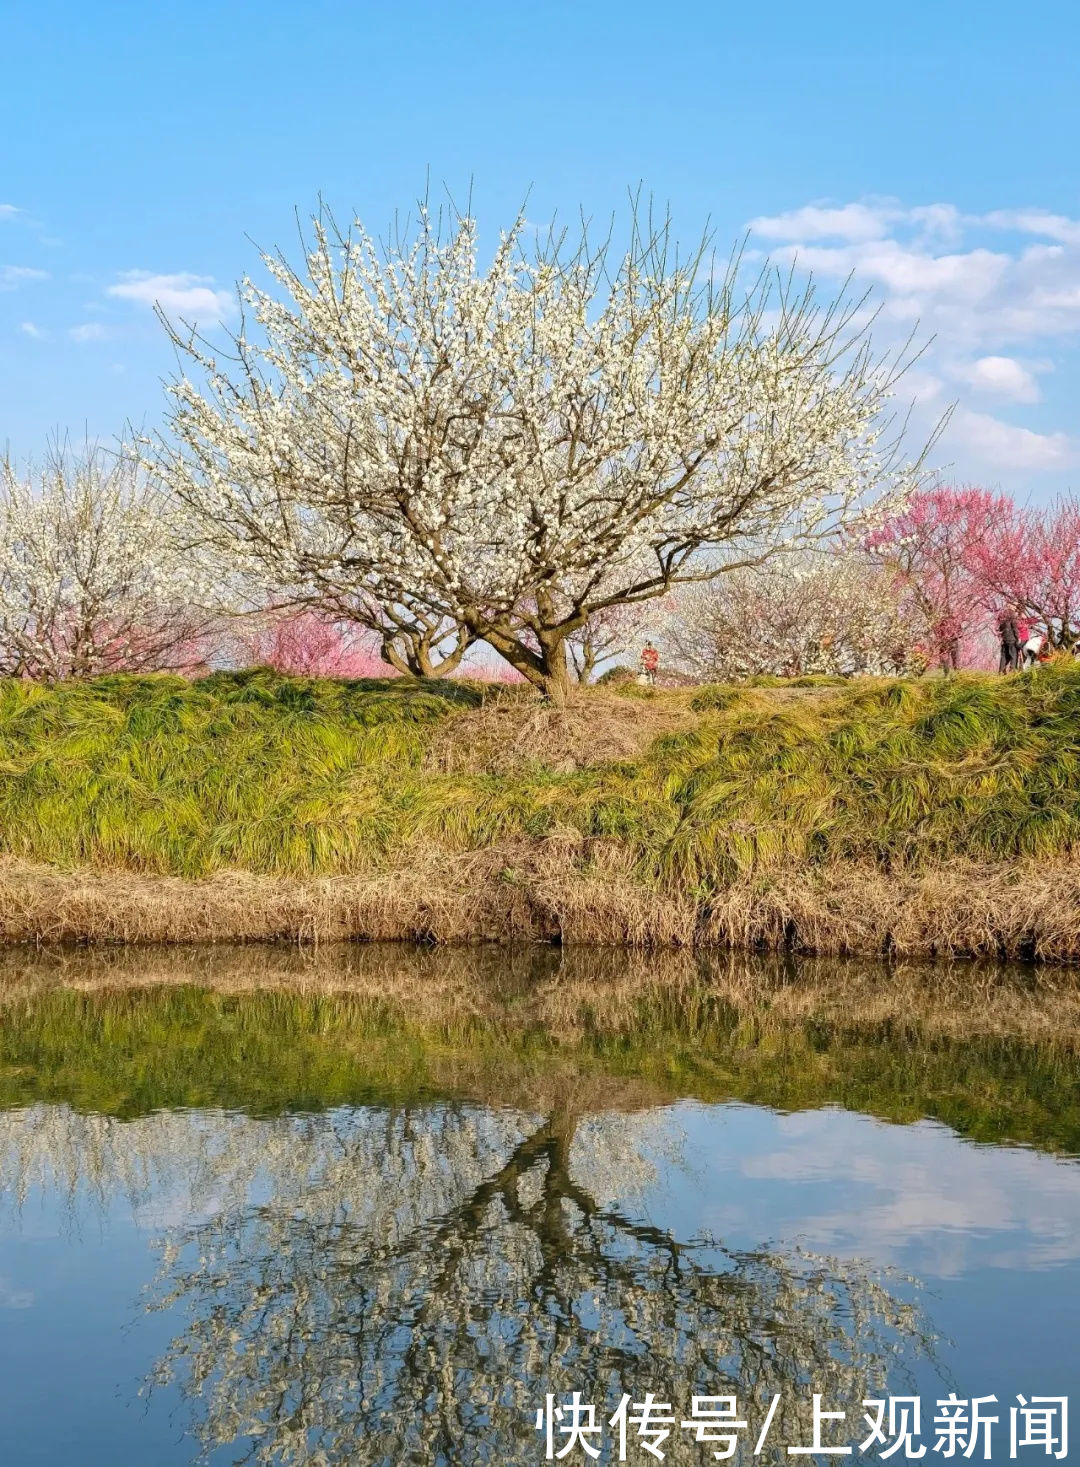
(300, 776)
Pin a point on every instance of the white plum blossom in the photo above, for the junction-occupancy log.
(94, 577)
(516, 448)
(796, 615)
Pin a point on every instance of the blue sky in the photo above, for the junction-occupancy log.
(931, 148)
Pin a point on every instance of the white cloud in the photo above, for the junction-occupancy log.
(191, 297)
(8, 211)
(938, 221)
(926, 386)
(88, 331)
(29, 328)
(12, 276)
(1003, 445)
(978, 297)
(1001, 377)
(1035, 221)
(853, 222)
(986, 296)
(922, 1198)
(916, 282)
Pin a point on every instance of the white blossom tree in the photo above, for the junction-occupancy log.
(519, 448)
(93, 574)
(812, 613)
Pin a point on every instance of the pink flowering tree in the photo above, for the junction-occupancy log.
(1030, 561)
(307, 644)
(936, 550)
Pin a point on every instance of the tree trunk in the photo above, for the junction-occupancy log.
(584, 665)
(413, 654)
(557, 684)
(546, 666)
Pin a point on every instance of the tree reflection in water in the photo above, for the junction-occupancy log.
(421, 1204)
(405, 1286)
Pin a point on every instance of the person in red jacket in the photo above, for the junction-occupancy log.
(650, 661)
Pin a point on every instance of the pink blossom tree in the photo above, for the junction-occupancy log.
(1030, 561)
(936, 548)
(306, 644)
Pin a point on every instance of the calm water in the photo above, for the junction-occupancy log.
(373, 1207)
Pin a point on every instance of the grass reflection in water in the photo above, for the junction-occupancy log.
(990, 1052)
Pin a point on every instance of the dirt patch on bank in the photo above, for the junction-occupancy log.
(508, 735)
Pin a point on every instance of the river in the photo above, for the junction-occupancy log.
(397, 1206)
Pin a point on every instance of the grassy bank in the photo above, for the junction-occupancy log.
(915, 817)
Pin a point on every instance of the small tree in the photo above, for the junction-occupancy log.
(822, 613)
(93, 576)
(521, 448)
(936, 548)
(607, 634)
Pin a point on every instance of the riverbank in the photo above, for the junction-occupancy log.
(919, 818)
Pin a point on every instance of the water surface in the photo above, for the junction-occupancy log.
(373, 1206)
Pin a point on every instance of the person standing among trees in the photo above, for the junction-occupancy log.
(650, 661)
(1033, 646)
(1009, 636)
(947, 643)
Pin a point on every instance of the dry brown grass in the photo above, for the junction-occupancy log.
(508, 735)
(572, 891)
(1026, 910)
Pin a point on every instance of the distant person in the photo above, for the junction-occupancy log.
(650, 661)
(947, 642)
(1033, 648)
(1009, 637)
